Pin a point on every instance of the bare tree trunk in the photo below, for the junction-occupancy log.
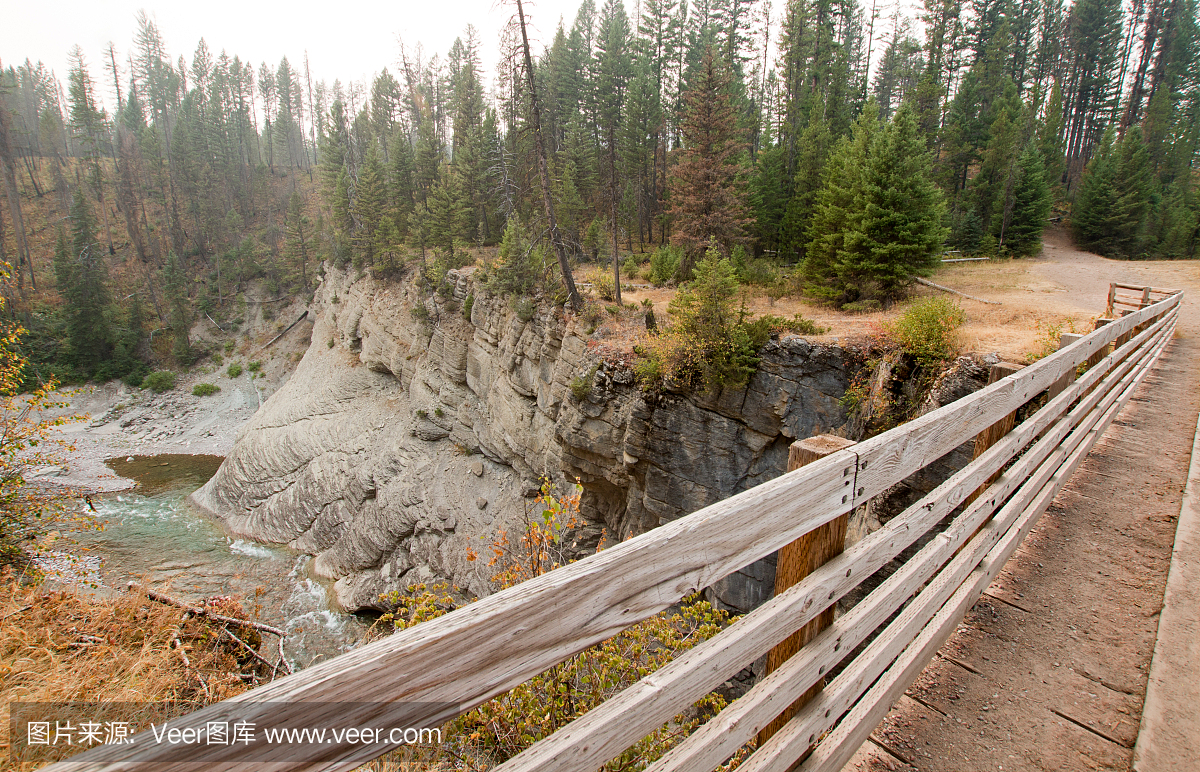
(544, 170)
(612, 196)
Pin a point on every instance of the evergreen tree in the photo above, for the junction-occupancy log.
(708, 190)
(370, 204)
(180, 309)
(836, 211)
(612, 80)
(1022, 235)
(992, 186)
(299, 234)
(449, 211)
(891, 219)
(899, 232)
(1092, 210)
(1111, 211)
(81, 275)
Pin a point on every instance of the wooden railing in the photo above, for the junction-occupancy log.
(433, 672)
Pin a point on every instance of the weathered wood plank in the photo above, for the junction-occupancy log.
(442, 669)
(724, 734)
(1068, 377)
(801, 558)
(836, 749)
(991, 435)
(606, 731)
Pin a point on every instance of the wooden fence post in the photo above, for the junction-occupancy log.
(993, 434)
(799, 559)
(1069, 377)
(1112, 299)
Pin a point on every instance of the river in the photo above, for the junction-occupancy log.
(154, 535)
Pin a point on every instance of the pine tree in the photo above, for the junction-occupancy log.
(449, 211)
(836, 210)
(991, 187)
(613, 72)
(1030, 206)
(90, 125)
(899, 232)
(299, 234)
(180, 309)
(1092, 210)
(1134, 187)
(370, 204)
(883, 207)
(708, 190)
(1111, 211)
(81, 276)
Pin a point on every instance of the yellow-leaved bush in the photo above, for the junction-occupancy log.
(506, 725)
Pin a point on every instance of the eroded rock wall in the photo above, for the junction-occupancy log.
(401, 444)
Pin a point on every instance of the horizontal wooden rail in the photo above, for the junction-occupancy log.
(433, 672)
(983, 554)
(833, 752)
(606, 731)
(720, 737)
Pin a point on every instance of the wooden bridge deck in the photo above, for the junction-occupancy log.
(1049, 670)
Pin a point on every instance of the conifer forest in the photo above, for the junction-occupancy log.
(838, 147)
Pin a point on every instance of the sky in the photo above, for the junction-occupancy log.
(349, 41)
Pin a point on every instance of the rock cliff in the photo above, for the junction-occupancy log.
(404, 439)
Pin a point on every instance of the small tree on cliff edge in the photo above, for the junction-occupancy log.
(708, 185)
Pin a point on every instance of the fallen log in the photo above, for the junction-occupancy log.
(198, 611)
(928, 283)
(303, 316)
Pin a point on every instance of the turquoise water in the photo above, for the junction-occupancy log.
(154, 535)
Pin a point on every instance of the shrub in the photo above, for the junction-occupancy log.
(629, 268)
(602, 282)
(468, 304)
(422, 414)
(217, 359)
(756, 271)
(928, 330)
(581, 386)
(503, 727)
(235, 369)
(230, 344)
(1049, 339)
(158, 382)
(205, 389)
(437, 411)
(525, 309)
(254, 366)
(135, 377)
(664, 264)
(767, 325)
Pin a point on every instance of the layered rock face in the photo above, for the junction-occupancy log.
(403, 442)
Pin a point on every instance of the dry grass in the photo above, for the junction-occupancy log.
(58, 647)
(1032, 310)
